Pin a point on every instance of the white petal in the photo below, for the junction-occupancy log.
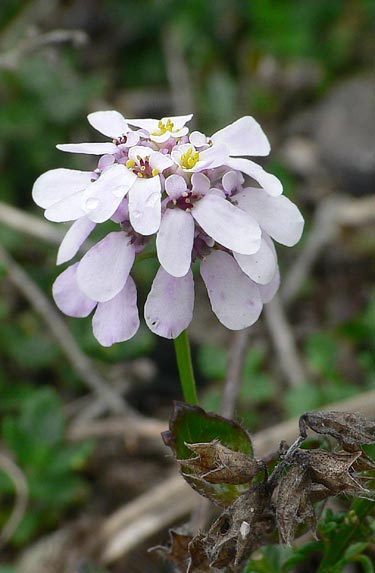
(234, 298)
(174, 241)
(232, 180)
(145, 205)
(102, 197)
(261, 266)
(67, 295)
(269, 182)
(198, 139)
(73, 239)
(211, 157)
(243, 137)
(178, 120)
(117, 319)
(139, 151)
(68, 209)
(150, 125)
(89, 148)
(110, 123)
(200, 183)
(268, 291)
(57, 184)
(104, 269)
(278, 216)
(160, 161)
(169, 305)
(226, 224)
(175, 185)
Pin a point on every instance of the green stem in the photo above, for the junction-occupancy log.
(185, 368)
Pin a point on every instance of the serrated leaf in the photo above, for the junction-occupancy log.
(191, 424)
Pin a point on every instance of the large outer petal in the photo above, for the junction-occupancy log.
(169, 305)
(57, 184)
(226, 224)
(104, 269)
(68, 209)
(260, 266)
(278, 216)
(268, 291)
(174, 241)
(234, 298)
(101, 198)
(110, 123)
(145, 205)
(243, 137)
(117, 319)
(269, 182)
(68, 296)
(73, 239)
(88, 148)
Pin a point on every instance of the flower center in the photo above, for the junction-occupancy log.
(120, 140)
(142, 168)
(164, 127)
(189, 159)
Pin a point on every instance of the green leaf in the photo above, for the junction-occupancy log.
(367, 564)
(192, 424)
(42, 417)
(355, 549)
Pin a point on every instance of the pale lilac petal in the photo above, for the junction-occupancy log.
(102, 197)
(73, 239)
(145, 205)
(117, 319)
(200, 184)
(243, 137)
(88, 148)
(268, 291)
(232, 180)
(160, 161)
(261, 266)
(104, 269)
(198, 139)
(226, 224)
(67, 295)
(278, 216)
(68, 209)
(175, 185)
(110, 123)
(169, 305)
(234, 298)
(269, 182)
(122, 212)
(105, 161)
(174, 241)
(56, 184)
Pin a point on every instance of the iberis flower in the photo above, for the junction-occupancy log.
(154, 179)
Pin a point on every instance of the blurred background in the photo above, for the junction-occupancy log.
(70, 457)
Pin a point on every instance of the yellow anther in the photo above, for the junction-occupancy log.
(163, 127)
(154, 172)
(140, 174)
(130, 163)
(189, 159)
(143, 167)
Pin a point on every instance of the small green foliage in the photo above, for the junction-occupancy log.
(212, 362)
(191, 424)
(35, 435)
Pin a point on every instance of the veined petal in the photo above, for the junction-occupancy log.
(269, 182)
(226, 224)
(117, 319)
(110, 123)
(175, 185)
(68, 297)
(243, 137)
(73, 239)
(104, 269)
(169, 305)
(68, 209)
(234, 298)
(160, 161)
(174, 241)
(103, 196)
(145, 205)
(56, 184)
(88, 148)
(261, 266)
(278, 216)
(268, 291)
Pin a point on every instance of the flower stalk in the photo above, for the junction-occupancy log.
(185, 368)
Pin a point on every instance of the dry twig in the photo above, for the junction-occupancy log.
(8, 466)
